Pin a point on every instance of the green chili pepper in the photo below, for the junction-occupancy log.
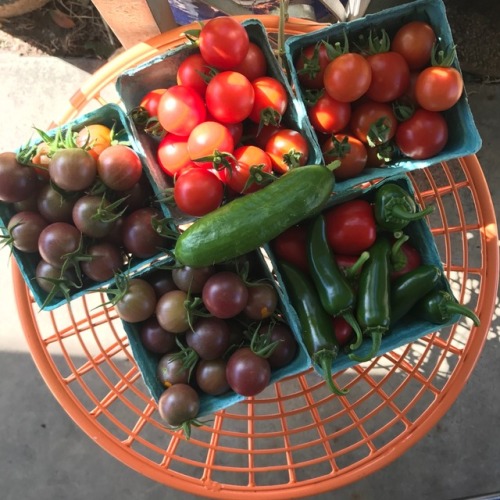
(395, 208)
(408, 288)
(317, 330)
(335, 292)
(373, 304)
(439, 306)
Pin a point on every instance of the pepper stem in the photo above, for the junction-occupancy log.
(352, 271)
(455, 308)
(349, 317)
(376, 336)
(400, 212)
(325, 360)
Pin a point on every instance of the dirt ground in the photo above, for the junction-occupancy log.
(67, 28)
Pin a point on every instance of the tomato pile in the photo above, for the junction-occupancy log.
(374, 99)
(220, 126)
(79, 207)
(214, 329)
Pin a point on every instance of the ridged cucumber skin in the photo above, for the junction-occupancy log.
(247, 222)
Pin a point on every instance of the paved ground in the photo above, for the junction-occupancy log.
(45, 456)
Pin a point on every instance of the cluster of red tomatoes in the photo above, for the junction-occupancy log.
(221, 125)
(214, 329)
(382, 101)
(79, 208)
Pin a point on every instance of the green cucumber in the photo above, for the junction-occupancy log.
(247, 222)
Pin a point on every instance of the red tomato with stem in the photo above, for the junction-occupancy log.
(350, 227)
(223, 42)
(414, 41)
(194, 72)
(271, 101)
(258, 135)
(180, 109)
(240, 176)
(287, 149)
(150, 101)
(351, 153)
(198, 191)
(230, 97)
(310, 65)
(390, 76)
(329, 116)
(438, 88)
(423, 135)
(347, 77)
(173, 156)
(291, 246)
(119, 167)
(373, 122)
(208, 143)
(254, 65)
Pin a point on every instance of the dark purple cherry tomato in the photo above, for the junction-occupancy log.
(286, 349)
(73, 169)
(107, 260)
(156, 339)
(171, 370)
(138, 302)
(225, 294)
(46, 273)
(17, 182)
(25, 229)
(119, 167)
(56, 205)
(139, 236)
(247, 373)
(162, 281)
(92, 217)
(262, 301)
(171, 311)
(56, 241)
(179, 404)
(191, 279)
(210, 338)
(211, 376)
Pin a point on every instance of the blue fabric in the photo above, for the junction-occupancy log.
(188, 11)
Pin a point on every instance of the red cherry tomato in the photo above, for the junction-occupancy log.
(223, 42)
(438, 88)
(173, 156)
(414, 41)
(291, 246)
(351, 227)
(254, 65)
(150, 101)
(423, 135)
(390, 76)
(271, 101)
(328, 116)
(198, 191)
(351, 153)
(193, 72)
(208, 140)
(344, 332)
(287, 149)
(230, 97)
(180, 109)
(373, 122)
(311, 64)
(347, 77)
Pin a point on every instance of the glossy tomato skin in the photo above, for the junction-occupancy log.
(73, 169)
(352, 160)
(54, 206)
(193, 72)
(310, 65)
(347, 77)
(343, 330)
(438, 88)
(210, 338)
(237, 177)
(171, 311)
(423, 135)
(285, 146)
(107, 260)
(329, 116)
(198, 191)
(180, 109)
(56, 241)
(223, 42)
(247, 373)
(173, 156)
(119, 167)
(207, 139)
(138, 303)
(151, 100)
(262, 301)
(270, 95)
(414, 41)
(45, 273)
(366, 115)
(155, 339)
(211, 376)
(191, 279)
(86, 216)
(138, 234)
(225, 294)
(25, 228)
(287, 347)
(390, 76)
(291, 246)
(178, 404)
(229, 97)
(351, 227)
(254, 65)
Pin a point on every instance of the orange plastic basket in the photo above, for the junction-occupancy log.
(295, 439)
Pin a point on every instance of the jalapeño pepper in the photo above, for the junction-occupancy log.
(395, 208)
(317, 331)
(334, 290)
(408, 288)
(439, 306)
(373, 304)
